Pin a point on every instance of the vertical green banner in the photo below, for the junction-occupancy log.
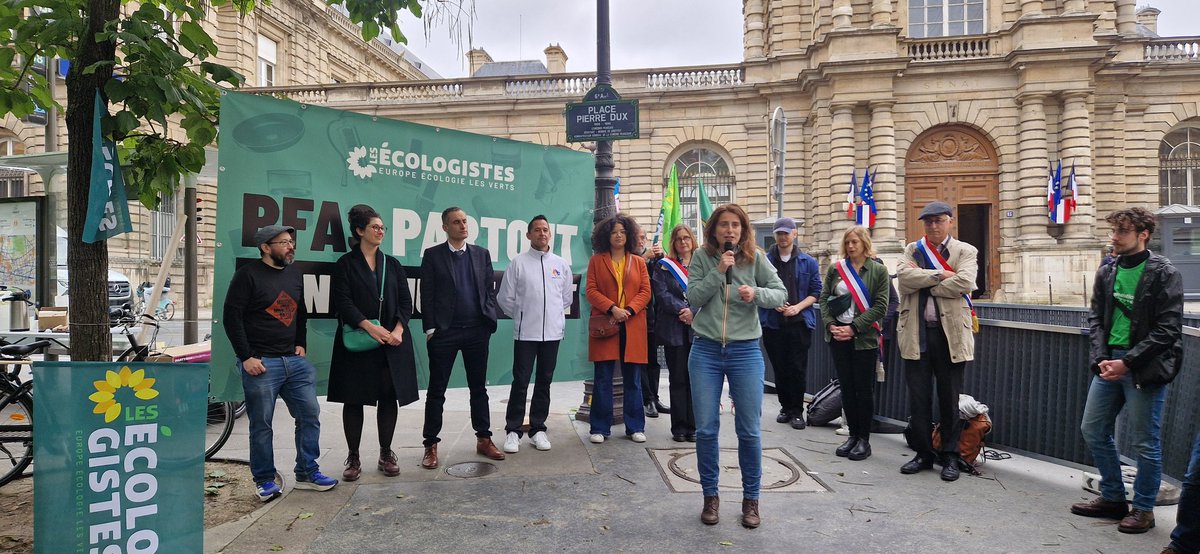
(305, 166)
(119, 456)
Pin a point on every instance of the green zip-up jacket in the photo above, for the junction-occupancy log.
(725, 318)
(875, 277)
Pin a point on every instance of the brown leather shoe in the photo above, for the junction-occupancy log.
(485, 447)
(750, 519)
(1169, 550)
(712, 510)
(1099, 507)
(1138, 521)
(430, 460)
(353, 468)
(387, 463)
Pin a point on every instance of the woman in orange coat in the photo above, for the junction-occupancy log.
(618, 287)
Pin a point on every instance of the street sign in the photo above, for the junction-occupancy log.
(603, 120)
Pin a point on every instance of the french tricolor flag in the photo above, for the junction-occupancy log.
(865, 211)
(1060, 205)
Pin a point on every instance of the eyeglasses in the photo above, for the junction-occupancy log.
(288, 242)
(379, 228)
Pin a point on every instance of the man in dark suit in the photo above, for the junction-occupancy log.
(458, 307)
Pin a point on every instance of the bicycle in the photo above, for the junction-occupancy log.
(164, 312)
(16, 410)
(221, 415)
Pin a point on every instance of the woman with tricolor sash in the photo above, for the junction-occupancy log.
(669, 279)
(854, 300)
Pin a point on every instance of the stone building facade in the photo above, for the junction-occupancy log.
(967, 101)
(288, 42)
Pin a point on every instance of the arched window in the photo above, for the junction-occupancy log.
(1179, 165)
(13, 183)
(697, 165)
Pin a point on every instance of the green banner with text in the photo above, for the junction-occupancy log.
(119, 456)
(287, 163)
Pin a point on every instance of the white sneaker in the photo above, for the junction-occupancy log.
(597, 438)
(638, 437)
(512, 443)
(540, 441)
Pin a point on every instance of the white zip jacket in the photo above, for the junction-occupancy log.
(536, 293)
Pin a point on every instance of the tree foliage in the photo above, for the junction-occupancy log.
(153, 62)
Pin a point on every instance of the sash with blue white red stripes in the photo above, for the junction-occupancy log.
(934, 260)
(677, 271)
(858, 293)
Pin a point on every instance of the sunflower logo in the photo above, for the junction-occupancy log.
(106, 390)
(354, 161)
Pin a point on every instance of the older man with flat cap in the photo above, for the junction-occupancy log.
(265, 320)
(935, 278)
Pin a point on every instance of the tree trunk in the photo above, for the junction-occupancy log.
(87, 263)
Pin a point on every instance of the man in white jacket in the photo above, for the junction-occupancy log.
(536, 293)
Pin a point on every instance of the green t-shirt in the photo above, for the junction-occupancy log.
(1124, 287)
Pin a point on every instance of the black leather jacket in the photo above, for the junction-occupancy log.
(1156, 327)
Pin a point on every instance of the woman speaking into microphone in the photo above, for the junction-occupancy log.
(728, 280)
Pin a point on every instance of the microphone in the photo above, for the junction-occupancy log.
(729, 272)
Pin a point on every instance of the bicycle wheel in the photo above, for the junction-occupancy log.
(168, 312)
(16, 433)
(220, 425)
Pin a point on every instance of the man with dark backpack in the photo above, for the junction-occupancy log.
(1136, 334)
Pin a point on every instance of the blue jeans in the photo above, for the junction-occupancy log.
(294, 379)
(1185, 539)
(602, 398)
(1145, 405)
(709, 365)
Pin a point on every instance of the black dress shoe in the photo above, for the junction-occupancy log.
(678, 438)
(783, 417)
(650, 411)
(798, 423)
(690, 438)
(662, 408)
(861, 451)
(950, 467)
(919, 462)
(844, 450)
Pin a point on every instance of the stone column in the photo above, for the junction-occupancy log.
(881, 14)
(1031, 7)
(1077, 150)
(1126, 17)
(1033, 170)
(753, 36)
(1074, 6)
(841, 166)
(882, 140)
(843, 14)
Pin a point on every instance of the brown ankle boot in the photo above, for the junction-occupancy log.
(353, 467)
(750, 519)
(387, 463)
(712, 510)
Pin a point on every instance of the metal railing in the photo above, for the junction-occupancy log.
(1032, 372)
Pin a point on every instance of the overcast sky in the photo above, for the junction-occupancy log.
(645, 33)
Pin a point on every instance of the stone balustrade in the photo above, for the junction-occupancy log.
(949, 48)
(570, 86)
(1175, 49)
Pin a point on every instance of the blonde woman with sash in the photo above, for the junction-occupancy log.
(854, 300)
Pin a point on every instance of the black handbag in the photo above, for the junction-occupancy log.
(357, 339)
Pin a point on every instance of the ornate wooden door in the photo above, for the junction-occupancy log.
(958, 165)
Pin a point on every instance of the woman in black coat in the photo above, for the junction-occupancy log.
(673, 328)
(385, 377)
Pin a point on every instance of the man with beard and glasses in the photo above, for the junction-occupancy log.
(266, 324)
(1137, 349)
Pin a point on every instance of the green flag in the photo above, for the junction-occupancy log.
(670, 214)
(108, 209)
(705, 206)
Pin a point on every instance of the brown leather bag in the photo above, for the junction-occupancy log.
(601, 326)
(970, 441)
